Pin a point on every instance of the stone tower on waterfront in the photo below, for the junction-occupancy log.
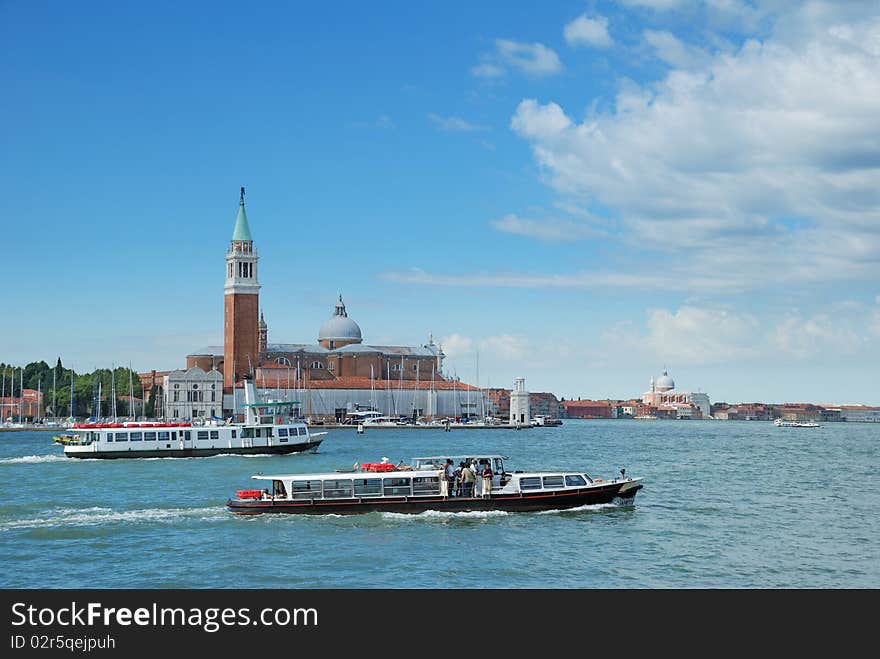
(241, 332)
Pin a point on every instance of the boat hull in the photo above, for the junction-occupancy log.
(195, 452)
(622, 493)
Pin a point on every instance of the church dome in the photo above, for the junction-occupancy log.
(340, 326)
(664, 382)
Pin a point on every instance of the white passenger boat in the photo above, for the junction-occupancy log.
(417, 488)
(266, 430)
(795, 424)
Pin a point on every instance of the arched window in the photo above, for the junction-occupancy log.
(396, 367)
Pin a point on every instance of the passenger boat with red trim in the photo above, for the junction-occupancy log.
(418, 487)
(267, 429)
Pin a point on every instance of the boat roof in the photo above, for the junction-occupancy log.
(462, 456)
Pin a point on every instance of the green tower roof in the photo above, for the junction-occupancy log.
(242, 231)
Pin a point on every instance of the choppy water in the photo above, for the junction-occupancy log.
(725, 505)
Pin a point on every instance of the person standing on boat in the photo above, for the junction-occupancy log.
(444, 484)
(467, 480)
(477, 479)
(449, 474)
(486, 473)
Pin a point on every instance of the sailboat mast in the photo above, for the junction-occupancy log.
(71, 395)
(20, 392)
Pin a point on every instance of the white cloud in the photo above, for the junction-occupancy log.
(506, 346)
(454, 124)
(584, 31)
(488, 70)
(819, 335)
(550, 229)
(532, 59)
(675, 52)
(763, 165)
(702, 335)
(456, 345)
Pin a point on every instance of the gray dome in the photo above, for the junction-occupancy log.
(340, 326)
(664, 382)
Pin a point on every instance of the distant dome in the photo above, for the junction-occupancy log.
(340, 326)
(664, 382)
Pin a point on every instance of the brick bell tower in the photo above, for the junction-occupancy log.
(241, 302)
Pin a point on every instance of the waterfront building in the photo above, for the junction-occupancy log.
(29, 405)
(859, 413)
(193, 394)
(520, 408)
(662, 393)
(589, 409)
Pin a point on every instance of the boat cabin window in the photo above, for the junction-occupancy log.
(202, 434)
(149, 436)
(215, 434)
(530, 483)
(136, 436)
(303, 430)
(234, 433)
(120, 436)
(305, 489)
(426, 485)
(575, 481)
(553, 481)
(589, 480)
(397, 487)
(282, 432)
(278, 489)
(337, 489)
(106, 436)
(164, 435)
(497, 466)
(367, 487)
(247, 433)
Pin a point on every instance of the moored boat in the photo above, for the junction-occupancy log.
(418, 487)
(264, 431)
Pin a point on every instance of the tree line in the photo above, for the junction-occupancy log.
(55, 383)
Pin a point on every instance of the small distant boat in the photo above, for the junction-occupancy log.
(541, 420)
(780, 423)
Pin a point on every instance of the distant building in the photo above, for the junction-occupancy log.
(589, 409)
(27, 406)
(520, 408)
(193, 394)
(544, 404)
(859, 413)
(662, 395)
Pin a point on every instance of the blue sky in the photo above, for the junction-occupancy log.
(580, 192)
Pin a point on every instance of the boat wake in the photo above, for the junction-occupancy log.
(592, 507)
(445, 515)
(79, 517)
(35, 459)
